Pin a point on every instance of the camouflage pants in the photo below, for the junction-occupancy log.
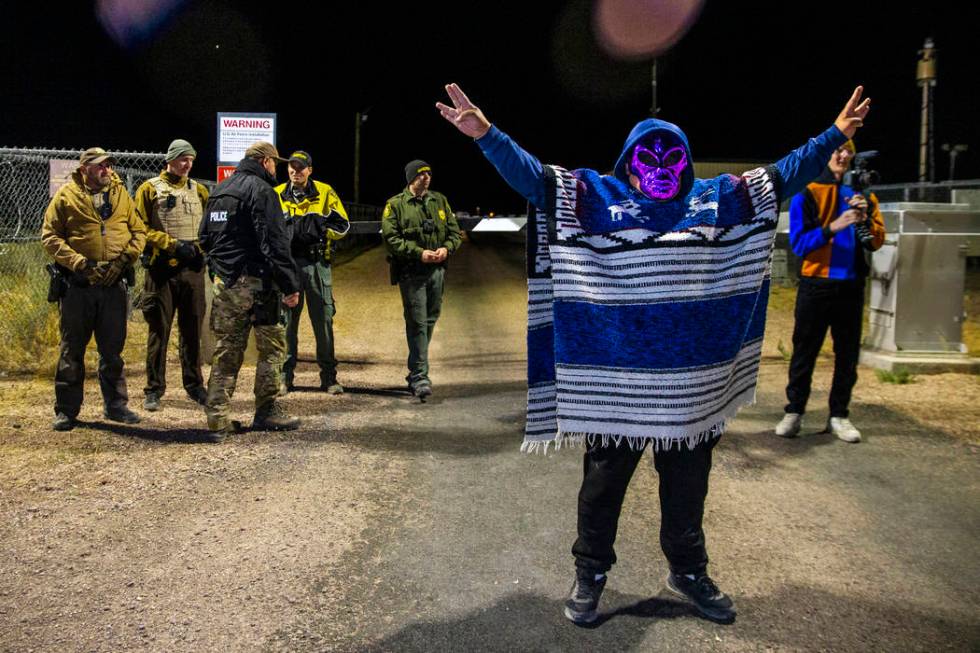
(231, 321)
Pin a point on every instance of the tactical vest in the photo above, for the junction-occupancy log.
(177, 211)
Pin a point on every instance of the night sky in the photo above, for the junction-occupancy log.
(749, 81)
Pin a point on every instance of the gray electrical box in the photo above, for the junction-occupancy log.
(917, 281)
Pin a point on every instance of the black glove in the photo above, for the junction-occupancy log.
(113, 271)
(90, 272)
(185, 251)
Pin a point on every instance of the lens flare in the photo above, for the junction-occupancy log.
(634, 29)
(131, 22)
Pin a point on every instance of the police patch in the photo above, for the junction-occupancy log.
(442, 215)
(387, 211)
(218, 216)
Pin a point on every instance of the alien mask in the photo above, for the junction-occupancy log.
(658, 163)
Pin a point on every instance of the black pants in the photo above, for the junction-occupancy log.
(683, 488)
(821, 304)
(84, 311)
(182, 294)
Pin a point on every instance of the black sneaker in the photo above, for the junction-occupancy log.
(702, 592)
(151, 402)
(63, 423)
(122, 414)
(582, 604)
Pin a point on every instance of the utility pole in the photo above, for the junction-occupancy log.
(925, 77)
(359, 119)
(654, 109)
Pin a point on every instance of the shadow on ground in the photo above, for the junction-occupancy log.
(820, 621)
(758, 449)
(161, 435)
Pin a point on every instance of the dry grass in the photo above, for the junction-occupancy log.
(29, 328)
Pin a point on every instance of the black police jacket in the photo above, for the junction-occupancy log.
(243, 231)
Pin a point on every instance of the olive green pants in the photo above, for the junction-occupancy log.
(317, 294)
(422, 302)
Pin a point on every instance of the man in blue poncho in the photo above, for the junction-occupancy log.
(647, 293)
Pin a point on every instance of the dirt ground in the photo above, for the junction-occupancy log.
(383, 524)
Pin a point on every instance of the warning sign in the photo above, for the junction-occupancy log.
(236, 131)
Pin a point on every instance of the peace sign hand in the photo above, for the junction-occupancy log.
(852, 115)
(466, 117)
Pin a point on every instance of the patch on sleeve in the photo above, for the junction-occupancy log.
(387, 210)
(442, 215)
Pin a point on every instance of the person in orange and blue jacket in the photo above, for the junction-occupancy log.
(833, 229)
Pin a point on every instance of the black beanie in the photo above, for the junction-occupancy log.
(415, 168)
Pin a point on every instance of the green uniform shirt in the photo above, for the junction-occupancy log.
(403, 225)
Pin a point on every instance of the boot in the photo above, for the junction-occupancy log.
(273, 418)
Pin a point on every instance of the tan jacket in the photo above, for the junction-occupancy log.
(74, 231)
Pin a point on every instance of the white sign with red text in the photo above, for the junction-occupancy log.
(236, 131)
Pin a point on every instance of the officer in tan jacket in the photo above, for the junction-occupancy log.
(94, 236)
(171, 206)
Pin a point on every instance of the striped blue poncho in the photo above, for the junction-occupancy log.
(645, 319)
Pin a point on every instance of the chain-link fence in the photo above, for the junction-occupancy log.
(28, 180)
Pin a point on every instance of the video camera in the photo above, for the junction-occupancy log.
(861, 178)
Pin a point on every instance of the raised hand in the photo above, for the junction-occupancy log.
(464, 115)
(851, 117)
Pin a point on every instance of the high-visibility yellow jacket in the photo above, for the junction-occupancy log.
(320, 198)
